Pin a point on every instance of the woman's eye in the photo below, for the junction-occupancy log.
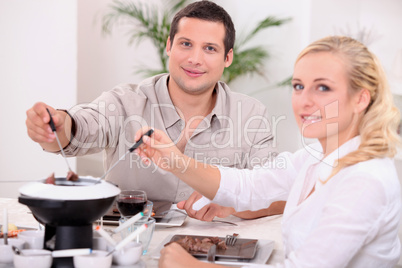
(298, 87)
(323, 88)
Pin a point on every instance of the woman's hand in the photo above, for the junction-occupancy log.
(176, 256)
(160, 149)
(208, 212)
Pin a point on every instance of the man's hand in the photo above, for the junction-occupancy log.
(208, 212)
(39, 130)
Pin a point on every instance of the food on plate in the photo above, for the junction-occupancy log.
(200, 245)
(12, 230)
(11, 227)
(51, 179)
(71, 176)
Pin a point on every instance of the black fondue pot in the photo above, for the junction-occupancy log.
(68, 210)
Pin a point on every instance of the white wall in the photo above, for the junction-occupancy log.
(38, 63)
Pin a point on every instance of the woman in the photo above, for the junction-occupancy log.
(343, 194)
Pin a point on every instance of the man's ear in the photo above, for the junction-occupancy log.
(229, 58)
(168, 46)
(363, 100)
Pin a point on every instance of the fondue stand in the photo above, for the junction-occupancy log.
(68, 209)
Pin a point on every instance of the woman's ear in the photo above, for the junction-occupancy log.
(363, 100)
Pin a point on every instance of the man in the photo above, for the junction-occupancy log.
(200, 114)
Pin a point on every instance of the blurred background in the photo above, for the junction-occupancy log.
(56, 52)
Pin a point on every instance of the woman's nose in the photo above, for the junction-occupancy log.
(307, 98)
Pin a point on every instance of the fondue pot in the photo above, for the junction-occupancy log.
(68, 210)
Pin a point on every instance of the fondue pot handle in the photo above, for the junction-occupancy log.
(40, 202)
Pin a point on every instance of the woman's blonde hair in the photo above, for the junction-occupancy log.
(378, 126)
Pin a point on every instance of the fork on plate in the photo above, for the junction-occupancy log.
(230, 240)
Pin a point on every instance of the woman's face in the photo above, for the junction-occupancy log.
(323, 106)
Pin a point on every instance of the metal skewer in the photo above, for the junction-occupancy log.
(53, 127)
(135, 146)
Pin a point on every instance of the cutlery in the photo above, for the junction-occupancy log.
(71, 252)
(211, 254)
(184, 213)
(135, 146)
(129, 222)
(230, 240)
(59, 253)
(53, 127)
(128, 239)
(105, 235)
(5, 226)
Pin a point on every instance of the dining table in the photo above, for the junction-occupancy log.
(263, 229)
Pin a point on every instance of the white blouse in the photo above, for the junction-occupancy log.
(350, 221)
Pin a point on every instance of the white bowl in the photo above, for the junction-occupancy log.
(6, 251)
(33, 258)
(97, 259)
(128, 255)
(33, 239)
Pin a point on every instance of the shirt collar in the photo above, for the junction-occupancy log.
(328, 163)
(168, 110)
(169, 113)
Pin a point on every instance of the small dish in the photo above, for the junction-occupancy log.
(6, 251)
(33, 258)
(128, 255)
(97, 259)
(33, 239)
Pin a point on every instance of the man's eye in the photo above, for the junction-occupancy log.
(186, 44)
(298, 87)
(211, 49)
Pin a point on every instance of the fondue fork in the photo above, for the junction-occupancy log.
(53, 127)
(129, 222)
(135, 146)
(105, 235)
(128, 239)
(5, 226)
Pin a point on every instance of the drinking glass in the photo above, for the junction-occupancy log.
(145, 237)
(131, 202)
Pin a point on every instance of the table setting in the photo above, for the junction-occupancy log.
(83, 222)
(266, 230)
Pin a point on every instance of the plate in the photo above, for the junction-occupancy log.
(243, 249)
(263, 252)
(172, 218)
(19, 229)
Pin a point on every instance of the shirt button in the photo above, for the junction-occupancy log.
(182, 194)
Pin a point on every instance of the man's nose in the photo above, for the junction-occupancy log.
(196, 56)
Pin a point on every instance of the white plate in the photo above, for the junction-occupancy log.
(170, 219)
(264, 251)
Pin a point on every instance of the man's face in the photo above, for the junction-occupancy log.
(197, 56)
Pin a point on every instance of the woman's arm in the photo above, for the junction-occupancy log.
(161, 150)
